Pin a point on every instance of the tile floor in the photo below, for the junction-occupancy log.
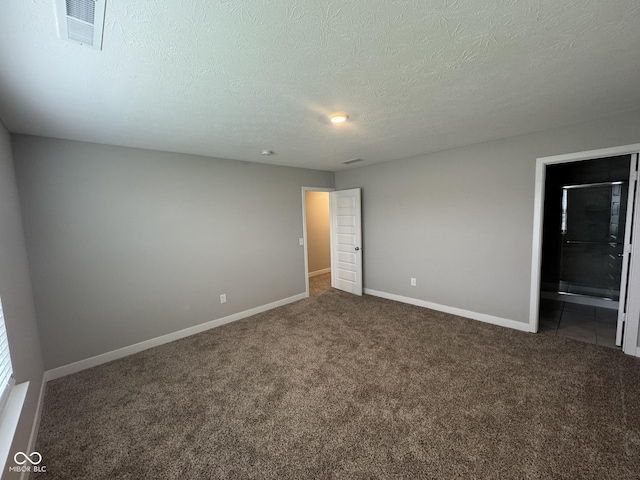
(580, 322)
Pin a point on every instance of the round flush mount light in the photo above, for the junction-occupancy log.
(339, 118)
(266, 153)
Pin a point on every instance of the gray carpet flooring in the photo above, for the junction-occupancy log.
(338, 386)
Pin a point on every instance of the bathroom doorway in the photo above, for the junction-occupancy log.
(583, 238)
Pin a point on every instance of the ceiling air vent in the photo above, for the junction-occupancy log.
(81, 21)
(353, 160)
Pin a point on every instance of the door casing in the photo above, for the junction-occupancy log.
(630, 342)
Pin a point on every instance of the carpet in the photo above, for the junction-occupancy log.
(319, 284)
(339, 386)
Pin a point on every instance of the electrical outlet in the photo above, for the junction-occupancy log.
(301, 241)
(413, 282)
(223, 298)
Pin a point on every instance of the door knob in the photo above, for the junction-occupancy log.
(357, 248)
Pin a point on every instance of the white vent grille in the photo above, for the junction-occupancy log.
(79, 31)
(84, 10)
(81, 21)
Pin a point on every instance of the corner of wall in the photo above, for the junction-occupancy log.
(19, 308)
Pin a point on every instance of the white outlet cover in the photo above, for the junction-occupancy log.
(301, 241)
(223, 298)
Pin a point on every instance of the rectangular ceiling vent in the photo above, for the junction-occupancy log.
(353, 160)
(81, 21)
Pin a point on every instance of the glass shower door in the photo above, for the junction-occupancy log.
(593, 226)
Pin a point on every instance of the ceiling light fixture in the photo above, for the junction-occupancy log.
(266, 153)
(339, 118)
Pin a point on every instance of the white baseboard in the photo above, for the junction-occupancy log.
(36, 424)
(320, 272)
(503, 322)
(36, 419)
(154, 342)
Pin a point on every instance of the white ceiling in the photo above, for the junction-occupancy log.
(228, 78)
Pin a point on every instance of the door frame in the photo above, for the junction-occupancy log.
(630, 343)
(304, 230)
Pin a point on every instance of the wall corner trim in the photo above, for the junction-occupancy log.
(36, 423)
(482, 317)
(170, 337)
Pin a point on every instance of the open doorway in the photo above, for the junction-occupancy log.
(585, 213)
(317, 240)
(345, 239)
(585, 276)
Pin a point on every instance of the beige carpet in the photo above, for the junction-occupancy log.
(319, 284)
(338, 386)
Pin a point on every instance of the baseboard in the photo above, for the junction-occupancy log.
(36, 419)
(637, 351)
(320, 272)
(31, 446)
(154, 342)
(482, 317)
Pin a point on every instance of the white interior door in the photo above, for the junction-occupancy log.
(624, 283)
(346, 240)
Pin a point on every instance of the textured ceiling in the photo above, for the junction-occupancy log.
(228, 78)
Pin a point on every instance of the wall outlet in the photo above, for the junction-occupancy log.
(223, 298)
(413, 282)
(301, 241)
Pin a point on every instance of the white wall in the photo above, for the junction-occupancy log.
(126, 245)
(318, 239)
(17, 299)
(461, 220)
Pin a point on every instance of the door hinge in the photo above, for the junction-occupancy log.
(634, 176)
(627, 249)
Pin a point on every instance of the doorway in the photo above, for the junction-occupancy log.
(582, 269)
(317, 241)
(344, 270)
(585, 212)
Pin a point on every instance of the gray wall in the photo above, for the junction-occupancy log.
(461, 220)
(126, 245)
(17, 299)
